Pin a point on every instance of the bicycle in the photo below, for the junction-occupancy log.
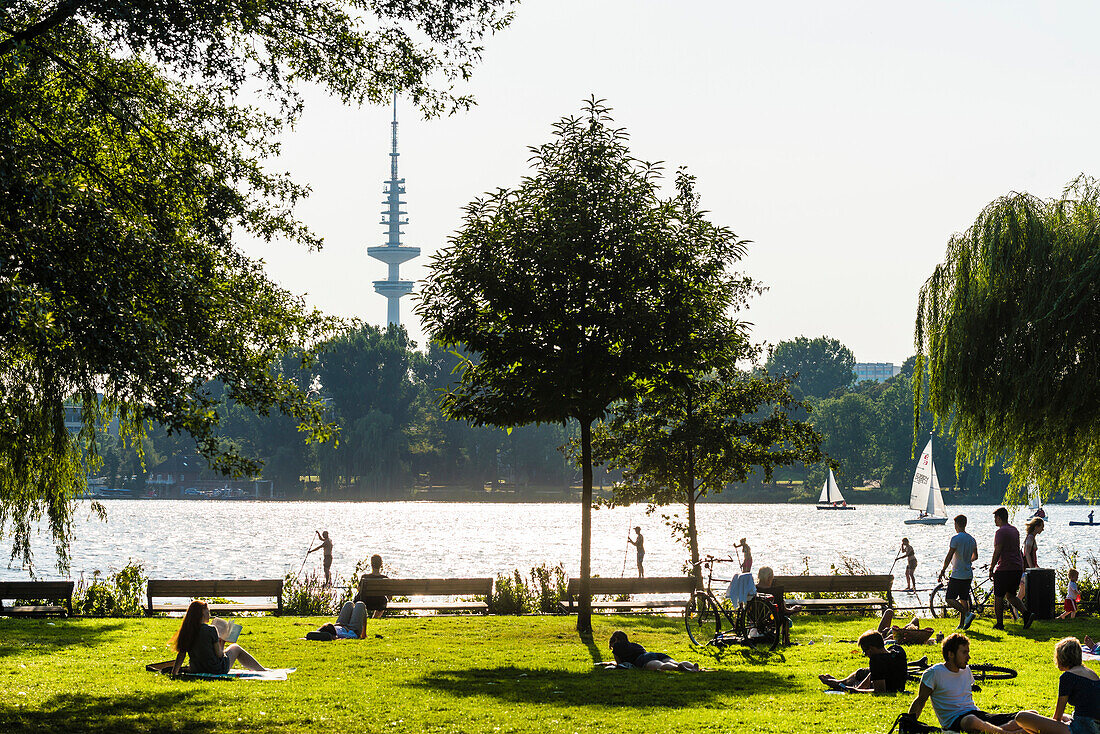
(981, 596)
(756, 622)
(982, 672)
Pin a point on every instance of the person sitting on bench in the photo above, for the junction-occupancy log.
(626, 651)
(376, 605)
(764, 578)
(351, 624)
(198, 640)
(886, 671)
(1078, 686)
(949, 684)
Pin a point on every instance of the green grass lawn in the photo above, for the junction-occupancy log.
(476, 674)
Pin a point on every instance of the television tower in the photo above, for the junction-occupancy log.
(393, 253)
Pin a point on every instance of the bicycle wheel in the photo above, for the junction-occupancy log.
(760, 622)
(937, 602)
(991, 672)
(981, 598)
(701, 618)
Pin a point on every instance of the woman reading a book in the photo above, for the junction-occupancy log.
(200, 641)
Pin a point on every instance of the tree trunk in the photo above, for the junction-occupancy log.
(693, 536)
(584, 610)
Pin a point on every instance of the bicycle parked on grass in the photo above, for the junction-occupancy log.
(981, 596)
(755, 622)
(981, 671)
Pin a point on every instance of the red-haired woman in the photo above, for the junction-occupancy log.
(199, 640)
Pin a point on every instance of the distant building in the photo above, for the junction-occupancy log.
(877, 371)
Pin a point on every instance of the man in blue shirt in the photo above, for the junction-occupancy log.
(963, 551)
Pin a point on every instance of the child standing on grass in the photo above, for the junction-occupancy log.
(1073, 597)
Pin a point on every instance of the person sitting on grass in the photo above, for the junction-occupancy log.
(634, 654)
(948, 685)
(1078, 686)
(351, 624)
(911, 634)
(198, 640)
(886, 669)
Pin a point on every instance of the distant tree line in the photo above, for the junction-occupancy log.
(868, 427)
(381, 393)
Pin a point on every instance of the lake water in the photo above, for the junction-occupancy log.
(235, 539)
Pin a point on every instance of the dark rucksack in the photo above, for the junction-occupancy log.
(907, 724)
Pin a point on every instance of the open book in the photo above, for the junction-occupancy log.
(228, 631)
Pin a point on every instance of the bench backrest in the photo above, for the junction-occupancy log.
(834, 584)
(653, 585)
(215, 587)
(425, 587)
(36, 589)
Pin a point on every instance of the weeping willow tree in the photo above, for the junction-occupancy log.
(1008, 327)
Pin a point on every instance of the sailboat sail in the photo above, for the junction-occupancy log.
(1036, 500)
(925, 495)
(830, 492)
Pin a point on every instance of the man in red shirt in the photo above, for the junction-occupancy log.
(1006, 568)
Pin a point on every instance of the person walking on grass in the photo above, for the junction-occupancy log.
(962, 552)
(1073, 596)
(1006, 568)
(326, 545)
(639, 546)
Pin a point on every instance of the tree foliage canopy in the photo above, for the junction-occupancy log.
(817, 367)
(577, 287)
(127, 169)
(1009, 326)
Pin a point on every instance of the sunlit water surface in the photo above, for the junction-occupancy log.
(234, 539)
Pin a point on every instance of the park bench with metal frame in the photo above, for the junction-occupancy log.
(223, 588)
(600, 586)
(457, 587)
(794, 587)
(47, 590)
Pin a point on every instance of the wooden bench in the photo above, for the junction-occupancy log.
(599, 586)
(430, 587)
(795, 586)
(48, 590)
(226, 588)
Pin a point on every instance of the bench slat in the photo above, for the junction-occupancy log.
(405, 606)
(426, 587)
(653, 585)
(834, 584)
(215, 587)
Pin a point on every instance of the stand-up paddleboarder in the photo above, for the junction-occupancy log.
(326, 544)
(639, 545)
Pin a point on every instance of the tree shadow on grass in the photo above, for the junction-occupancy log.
(601, 688)
(23, 636)
(145, 712)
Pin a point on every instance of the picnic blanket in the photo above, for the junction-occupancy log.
(165, 668)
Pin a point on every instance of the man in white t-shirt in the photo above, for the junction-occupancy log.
(963, 551)
(948, 685)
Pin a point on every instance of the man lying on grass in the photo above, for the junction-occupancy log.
(626, 651)
(886, 671)
(949, 685)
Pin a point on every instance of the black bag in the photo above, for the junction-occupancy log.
(906, 724)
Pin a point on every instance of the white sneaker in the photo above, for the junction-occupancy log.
(967, 620)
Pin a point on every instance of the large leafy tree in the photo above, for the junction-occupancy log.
(1009, 328)
(575, 286)
(126, 171)
(817, 366)
(688, 438)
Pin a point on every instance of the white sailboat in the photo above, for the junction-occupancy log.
(831, 498)
(926, 495)
(1035, 502)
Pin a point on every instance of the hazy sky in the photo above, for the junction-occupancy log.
(847, 140)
